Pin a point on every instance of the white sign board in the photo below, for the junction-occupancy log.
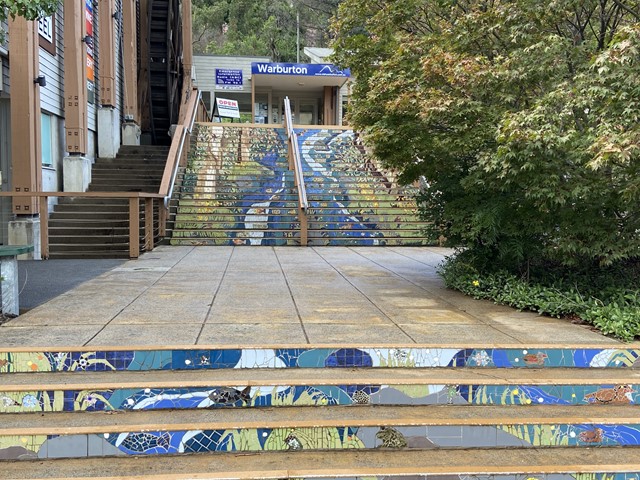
(227, 108)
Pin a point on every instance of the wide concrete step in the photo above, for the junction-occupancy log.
(288, 197)
(92, 238)
(85, 422)
(221, 240)
(316, 428)
(89, 254)
(293, 239)
(93, 222)
(312, 189)
(379, 464)
(90, 215)
(122, 188)
(234, 230)
(381, 205)
(122, 207)
(126, 390)
(92, 201)
(137, 175)
(146, 161)
(100, 246)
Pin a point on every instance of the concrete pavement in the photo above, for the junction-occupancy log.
(271, 296)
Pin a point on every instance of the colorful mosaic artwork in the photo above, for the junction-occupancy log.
(283, 394)
(198, 359)
(238, 189)
(555, 476)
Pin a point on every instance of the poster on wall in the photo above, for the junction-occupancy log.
(228, 79)
(88, 20)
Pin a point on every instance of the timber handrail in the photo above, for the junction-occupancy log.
(176, 150)
(134, 215)
(295, 164)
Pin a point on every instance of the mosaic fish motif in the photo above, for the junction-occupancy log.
(620, 394)
(591, 436)
(230, 396)
(141, 442)
(391, 438)
(535, 359)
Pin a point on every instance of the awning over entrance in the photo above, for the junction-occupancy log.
(297, 77)
(313, 88)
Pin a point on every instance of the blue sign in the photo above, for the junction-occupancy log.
(299, 69)
(228, 79)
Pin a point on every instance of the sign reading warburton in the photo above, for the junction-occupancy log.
(300, 69)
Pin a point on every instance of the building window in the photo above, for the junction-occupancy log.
(206, 99)
(46, 132)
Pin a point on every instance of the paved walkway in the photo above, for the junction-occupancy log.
(281, 296)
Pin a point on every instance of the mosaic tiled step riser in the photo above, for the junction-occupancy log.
(312, 395)
(203, 240)
(338, 177)
(407, 357)
(212, 239)
(317, 438)
(552, 476)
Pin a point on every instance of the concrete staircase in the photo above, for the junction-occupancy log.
(237, 190)
(99, 227)
(325, 412)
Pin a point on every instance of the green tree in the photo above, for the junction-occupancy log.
(519, 117)
(260, 27)
(29, 9)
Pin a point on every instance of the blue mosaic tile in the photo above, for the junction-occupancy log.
(193, 359)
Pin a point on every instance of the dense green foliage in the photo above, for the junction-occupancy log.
(260, 27)
(520, 118)
(609, 301)
(29, 9)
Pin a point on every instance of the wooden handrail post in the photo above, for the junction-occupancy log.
(134, 228)
(163, 215)
(148, 224)
(304, 227)
(44, 227)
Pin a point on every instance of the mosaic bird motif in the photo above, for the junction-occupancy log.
(591, 436)
(391, 438)
(536, 359)
(230, 396)
(617, 394)
(4, 363)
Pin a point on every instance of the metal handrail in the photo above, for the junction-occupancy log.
(177, 148)
(295, 164)
(295, 156)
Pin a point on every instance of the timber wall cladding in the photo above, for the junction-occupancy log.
(52, 67)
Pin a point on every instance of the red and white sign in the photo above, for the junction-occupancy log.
(227, 108)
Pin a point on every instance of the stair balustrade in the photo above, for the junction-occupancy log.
(134, 215)
(295, 164)
(179, 149)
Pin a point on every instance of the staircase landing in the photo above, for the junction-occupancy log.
(318, 362)
(277, 296)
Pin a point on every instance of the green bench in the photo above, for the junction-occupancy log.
(9, 290)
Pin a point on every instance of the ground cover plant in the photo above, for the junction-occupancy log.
(520, 119)
(610, 300)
